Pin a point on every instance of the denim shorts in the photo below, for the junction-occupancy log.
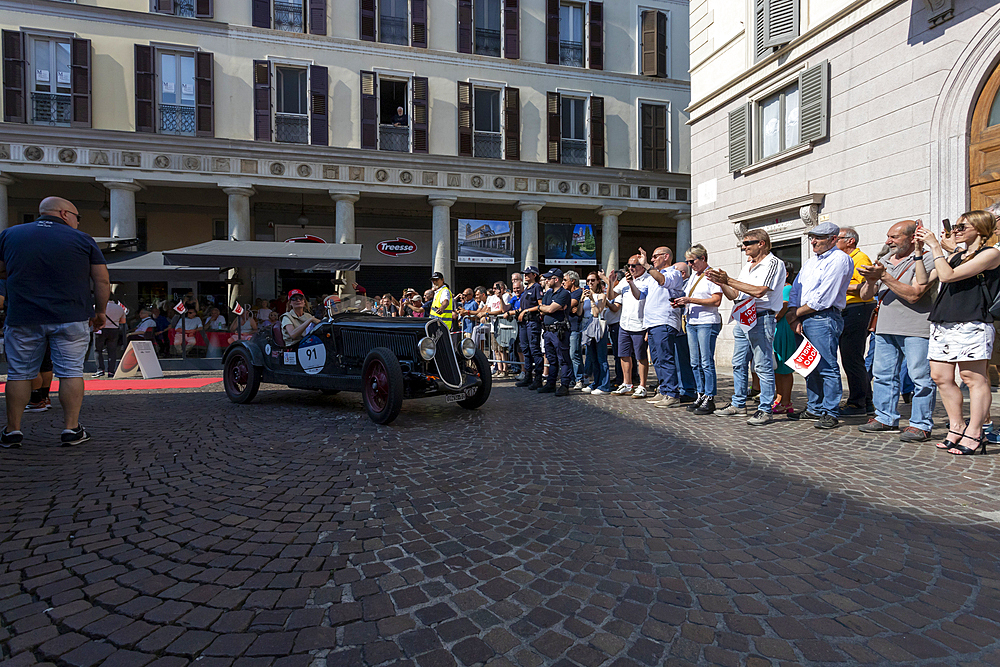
(25, 347)
(632, 344)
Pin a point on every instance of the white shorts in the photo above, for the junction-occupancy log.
(960, 341)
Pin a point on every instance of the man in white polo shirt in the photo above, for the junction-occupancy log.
(632, 334)
(762, 279)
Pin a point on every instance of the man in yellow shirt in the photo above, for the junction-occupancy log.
(852, 341)
(443, 306)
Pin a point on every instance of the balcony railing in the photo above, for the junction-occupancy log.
(176, 119)
(489, 145)
(291, 128)
(393, 138)
(184, 8)
(393, 30)
(487, 42)
(571, 53)
(574, 151)
(51, 109)
(288, 17)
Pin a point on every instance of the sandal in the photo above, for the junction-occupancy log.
(782, 409)
(948, 444)
(965, 451)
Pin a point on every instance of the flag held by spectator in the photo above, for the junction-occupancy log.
(180, 307)
(238, 309)
(805, 359)
(745, 314)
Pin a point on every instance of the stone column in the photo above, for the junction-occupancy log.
(441, 236)
(345, 233)
(239, 230)
(609, 237)
(529, 232)
(5, 180)
(122, 208)
(683, 236)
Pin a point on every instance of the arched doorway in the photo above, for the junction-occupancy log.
(984, 146)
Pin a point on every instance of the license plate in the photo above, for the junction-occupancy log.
(455, 398)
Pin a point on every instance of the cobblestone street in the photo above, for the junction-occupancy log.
(535, 531)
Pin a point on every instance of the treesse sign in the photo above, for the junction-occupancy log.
(398, 247)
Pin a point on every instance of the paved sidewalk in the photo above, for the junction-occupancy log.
(535, 531)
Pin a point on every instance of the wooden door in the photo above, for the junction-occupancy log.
(984, 146)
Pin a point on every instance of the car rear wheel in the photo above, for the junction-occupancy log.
(240, 377)
(382, 385)
(480, 366)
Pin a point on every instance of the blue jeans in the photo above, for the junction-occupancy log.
(759, 342)
(662, 353)
(823, 386)
(682, 358)
(597, 363)
(25, 347)
(576, 355)
(890, 353)
(701, 342)
(907, 387)
(613, 330)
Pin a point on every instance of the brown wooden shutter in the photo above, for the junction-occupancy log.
(421, 98)
(654, 43)
(654, 137)
(512, 123)
(319, 94)
(555, 127)
(597, 131)
(145, 89)
(369, 110)
(465, 26)
(418, 23)
(552, 33)
(80, 82)
(262, 100)
(163, 6)
(596, 35)
(15, 94)
(204, 94)
(368, 20)
(511, 30)
(465, 132)
(204, 9)
(261, 13)
(317, 17)
(646, 158)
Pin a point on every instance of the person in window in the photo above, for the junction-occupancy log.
(400, 120)
(298, 321)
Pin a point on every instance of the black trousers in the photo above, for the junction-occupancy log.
(557, 352)
(529, 337)
(106, 339)
(852, 352)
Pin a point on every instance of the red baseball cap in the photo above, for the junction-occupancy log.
(293, 292)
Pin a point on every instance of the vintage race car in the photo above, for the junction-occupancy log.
(386, 359)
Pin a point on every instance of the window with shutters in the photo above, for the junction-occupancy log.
(654, 43)
(291, 104)
(778, 121)
(776, 23)
(289, 15)
(572, 34)
(187, 8)
(394, 22)
(175, 94)
(487, 130)
(654, 148)
(573, 142)
(394, 118)
(49, 76)
(488, 20)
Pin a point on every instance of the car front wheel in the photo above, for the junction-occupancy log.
(240, 377)
(480, 366)
(382, 385)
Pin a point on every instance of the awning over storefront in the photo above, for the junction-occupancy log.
(269, 255)
(149, 266)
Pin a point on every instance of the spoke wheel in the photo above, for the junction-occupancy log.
(382, 385)
(478, 365)
(240, 377)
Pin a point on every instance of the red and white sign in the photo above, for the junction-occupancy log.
(398, 247)
(180, 307)
(805, 359)
(745, 314)
(238, 309)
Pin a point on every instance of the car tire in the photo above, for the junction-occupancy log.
(482, 368)
(382, 385)
(240, 377)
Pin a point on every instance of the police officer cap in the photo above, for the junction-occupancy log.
(437, 275)
(553, 273)
(530, 269)
(825, 229)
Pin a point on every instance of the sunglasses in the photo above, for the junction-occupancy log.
(298, 297)
(960, 227)
(690, 261)
(747, 244)
(591, 280)
(633, 266)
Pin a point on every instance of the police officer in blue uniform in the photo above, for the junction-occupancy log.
(555, 307)
(529, 336)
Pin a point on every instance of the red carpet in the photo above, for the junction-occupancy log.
(160, 383)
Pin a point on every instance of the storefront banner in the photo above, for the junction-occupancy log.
(485, 242)
(394, 247)
(570, 245)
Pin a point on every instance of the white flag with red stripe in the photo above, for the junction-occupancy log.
(180, 307)
(238, 308)
(805, 359)
(745, 314)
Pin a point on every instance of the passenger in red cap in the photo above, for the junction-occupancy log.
(298, 321)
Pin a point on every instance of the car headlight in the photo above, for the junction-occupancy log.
(468, 348)
(426, 348)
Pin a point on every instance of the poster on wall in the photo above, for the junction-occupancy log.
(485, 242)
(570, 245)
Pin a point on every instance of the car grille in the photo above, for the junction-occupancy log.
(360, 343)
(444, 355)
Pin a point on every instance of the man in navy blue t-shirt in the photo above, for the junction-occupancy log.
(48, 265)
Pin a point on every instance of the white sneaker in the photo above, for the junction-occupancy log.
(657, 397)
(640, 392)
(598, 392)
(623, 390)
(578, 386)
(587, 390)
(98, 374)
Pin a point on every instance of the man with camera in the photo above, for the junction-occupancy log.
(530, 330)
(554, 308)
(632, 334)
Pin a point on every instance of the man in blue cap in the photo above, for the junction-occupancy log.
(554, 308)
(529, 335)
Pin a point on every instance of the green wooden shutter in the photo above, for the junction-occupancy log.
(760, 50)
(781, 20)
(814, 102)
(739, 138)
